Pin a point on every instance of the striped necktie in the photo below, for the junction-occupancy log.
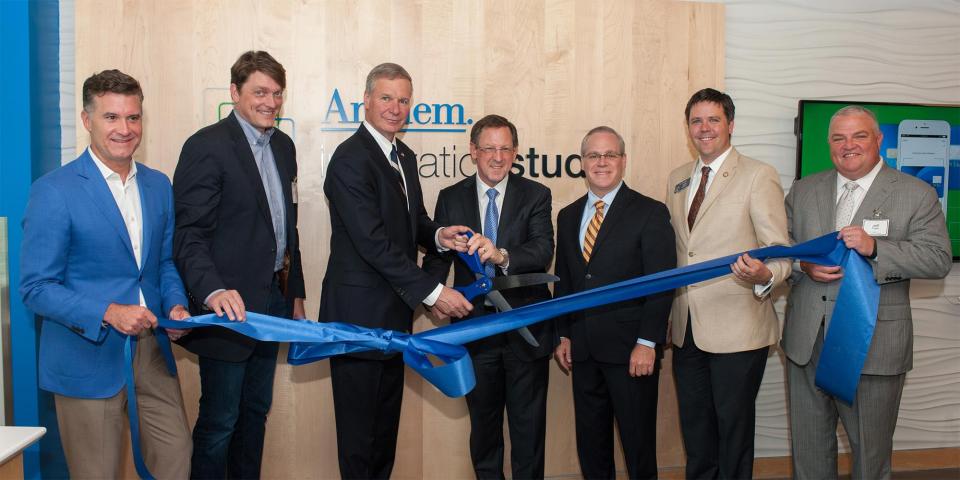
(592, 230)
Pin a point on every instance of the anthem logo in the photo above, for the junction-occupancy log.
(423, 117)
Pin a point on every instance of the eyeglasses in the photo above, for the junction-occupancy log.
(496, 150)
(594, 156)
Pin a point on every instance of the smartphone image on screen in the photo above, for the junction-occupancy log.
(923, 150)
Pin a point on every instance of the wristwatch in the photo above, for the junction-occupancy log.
(506, 258)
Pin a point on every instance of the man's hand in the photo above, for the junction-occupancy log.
(454, 237)
(562, 354)
(129, 319)
(229, 302)
(486, 248)
(642, 359)
(751, 270)
(177, 313)
(857, 238)
(299, 313)
(821, 273)
(452, 304)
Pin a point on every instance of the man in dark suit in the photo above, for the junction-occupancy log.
(514, 215)
(377, 220)
(612, 234)
(909, 241)
(237, 247)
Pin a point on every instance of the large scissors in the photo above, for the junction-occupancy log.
(484, 285)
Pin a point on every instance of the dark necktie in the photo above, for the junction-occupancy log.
(395, 163)
(698, 197)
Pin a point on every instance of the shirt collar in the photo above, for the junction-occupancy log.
(106, 171)
(253, 135)
(607, 199)
(501, 187)
(385, 145)
(865, 181)
(715, 164)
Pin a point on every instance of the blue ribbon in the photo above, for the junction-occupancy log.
(838, 373)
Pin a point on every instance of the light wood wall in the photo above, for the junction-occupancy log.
(554, 67)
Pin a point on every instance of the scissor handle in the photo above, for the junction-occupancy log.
(473, 261)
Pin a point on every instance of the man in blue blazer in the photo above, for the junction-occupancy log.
(97, 267)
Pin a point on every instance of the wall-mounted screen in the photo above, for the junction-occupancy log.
(921, 140)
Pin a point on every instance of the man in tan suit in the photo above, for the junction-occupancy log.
(723, 203)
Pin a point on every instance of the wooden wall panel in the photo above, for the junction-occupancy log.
(554, 67)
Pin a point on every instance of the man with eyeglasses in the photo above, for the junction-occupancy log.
(237, 248)
(514, 214)
(613, 352)
(723, 203)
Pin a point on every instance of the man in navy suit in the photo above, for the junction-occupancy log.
(97, 266)
(517, 238)
(237, 247)
(377, 220)
(613, 233)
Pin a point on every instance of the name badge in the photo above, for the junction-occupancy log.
(293, 191)
(876, 227)
(680, 186)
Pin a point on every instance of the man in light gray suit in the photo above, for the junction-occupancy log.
(909, 241)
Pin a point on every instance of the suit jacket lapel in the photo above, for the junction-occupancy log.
(512, 200)
(148, 205)
(613, 215)
(720, 182)
(678, 204)
(827, 202)
(96, 187)
(244, 155)
(469, 206)
(573, 234)
(879, 191)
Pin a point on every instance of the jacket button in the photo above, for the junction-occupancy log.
(589, 276)
(824, 298)
(690, 254)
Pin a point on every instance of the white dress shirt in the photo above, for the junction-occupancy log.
(864, 182)
(127, 196)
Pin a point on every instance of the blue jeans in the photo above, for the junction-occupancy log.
(234, 400)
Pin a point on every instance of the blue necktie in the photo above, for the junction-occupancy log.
(491, 221)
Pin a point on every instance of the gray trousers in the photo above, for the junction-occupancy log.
(869, 422)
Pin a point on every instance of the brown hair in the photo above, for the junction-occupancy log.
(257, 61)
(109, 81)
(492, 121)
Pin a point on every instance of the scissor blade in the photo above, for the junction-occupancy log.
(501, 303)
(522, 280)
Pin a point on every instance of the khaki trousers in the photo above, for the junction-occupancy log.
(92, 430)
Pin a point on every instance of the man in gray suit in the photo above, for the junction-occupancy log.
(909, 241)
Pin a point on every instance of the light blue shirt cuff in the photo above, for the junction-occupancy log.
(646, 343)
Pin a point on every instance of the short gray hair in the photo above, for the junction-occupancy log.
(857, 110)
(387, 70)
(602, 129)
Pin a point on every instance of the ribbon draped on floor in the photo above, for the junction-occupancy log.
(845, 347)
